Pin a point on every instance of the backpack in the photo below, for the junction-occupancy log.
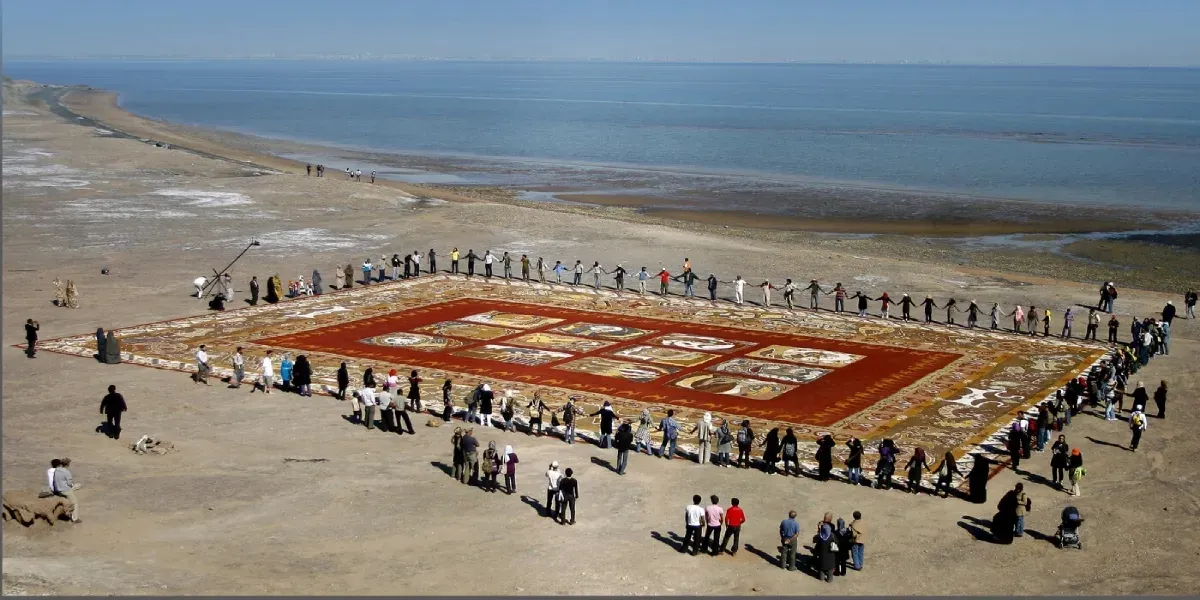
(743, 437)
(723, 437)
(1136, 422)
(670, 429)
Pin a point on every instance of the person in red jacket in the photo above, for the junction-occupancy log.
(734, 517)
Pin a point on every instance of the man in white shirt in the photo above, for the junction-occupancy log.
(553, 504)
(202, 367)
(367, 395)
(693, 520)
(239, 368)
(416, 261)
(739, 289)
(54, 465)
(267, 376)
(488, 259)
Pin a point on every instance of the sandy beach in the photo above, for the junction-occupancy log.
(227, 515)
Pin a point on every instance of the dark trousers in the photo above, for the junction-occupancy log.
(369, 416)
(470, 268)
(253, 297)
(734, 531)
(1112, 336)
(568, 502)
(510, 483)
(692, 537)
(1091, 333)
(402, 415)
(432, 266)
(1137, 437)
(743, 459)
(487, 270)
(1059, 474)
(551, 508)
(712, 537)
(943, 484)
(454, 267)
(114, 425)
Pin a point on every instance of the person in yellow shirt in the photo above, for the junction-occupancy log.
(454, 261)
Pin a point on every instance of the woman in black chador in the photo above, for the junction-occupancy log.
(771, 451)
(977, 479)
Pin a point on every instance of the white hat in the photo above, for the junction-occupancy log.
(487, 388)
(554, 465)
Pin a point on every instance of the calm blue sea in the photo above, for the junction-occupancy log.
(1065, 135)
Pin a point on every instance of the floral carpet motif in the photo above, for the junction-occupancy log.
(938, 387)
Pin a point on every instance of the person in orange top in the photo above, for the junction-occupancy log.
(734, 518)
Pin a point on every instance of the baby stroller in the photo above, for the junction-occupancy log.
(1068, 530)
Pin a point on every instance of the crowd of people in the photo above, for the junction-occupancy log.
(1032, 321)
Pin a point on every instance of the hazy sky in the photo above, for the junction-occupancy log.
(1085, 32)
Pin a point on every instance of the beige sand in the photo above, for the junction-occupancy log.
(226, 514)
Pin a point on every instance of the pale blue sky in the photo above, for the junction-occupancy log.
(1092, 32)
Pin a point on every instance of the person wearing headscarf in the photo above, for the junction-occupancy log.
(277, 289)
(789, 448)
(1005, 520)
(745, 439)
(642, 437)
(316, 283)
(606, 415)
(508, 410)
(343, 381)
(112, 349)
(485, 405)
(724, 444)
(72, 295)
(459, 460)
(917, 465)
(569, 414)
(302, 376)
(286, 366)
(623, 441)
(1014, 445)
(339, 278)
(825, 456)
(977, 479)
(843, 536)
(946, 471)
(771, 450)
(854, 461)
(414, 390)
(823, 553)
(1026, 438)
(489, 464)
(1018, 316)
(704, 431)
(509, 462)
(886, 466)
(537, 409)
(100, 339)
(447, 404)
(1075, 470)
(1160, 399)
(348, 274)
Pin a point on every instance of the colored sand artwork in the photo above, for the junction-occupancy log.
(937, 387)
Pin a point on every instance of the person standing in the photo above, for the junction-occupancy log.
(693, 519)
(367, 396)
(302, 376)
(596, 272)
(858, 536)
(789, 531)
(1075, 470)
(1093, 324)
(553, 479)
(31, 338)
(507, 262)
(1160, 399)
(372, 176)
(945, 476)
(789, 293)
(488, 259)
(623, 441)
(541, 270)
(64, 486)
(607, 415)
(414, 390)
(917, 465)
(454, 261)
(569, 488)
(1189, 303)
(1043, 426)
(642, 437)
(568, 411)
(735, 517)
(577, 275)
(525, 268)
(266, 373)
(254, 291)
(470, 452)
(486, 396)
(471, 258)
(1060, 454)
(826, 558)
(343, 381)
(1024, 505)
(402, 415)
(745, 439)
(977, 479)
(508, 462)
(367, 267)
(824, 457)
(814, 291)
(789, 449)
(704, 431)
(670, 428)
(1137, 424)
(739, 290)
(714, 518)
(111, 406)
(854, 461)
(489, 465)
(447, 405)
(202, 366)
(239, 367)
(839, 298)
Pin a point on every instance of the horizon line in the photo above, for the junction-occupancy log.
(367, 57)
